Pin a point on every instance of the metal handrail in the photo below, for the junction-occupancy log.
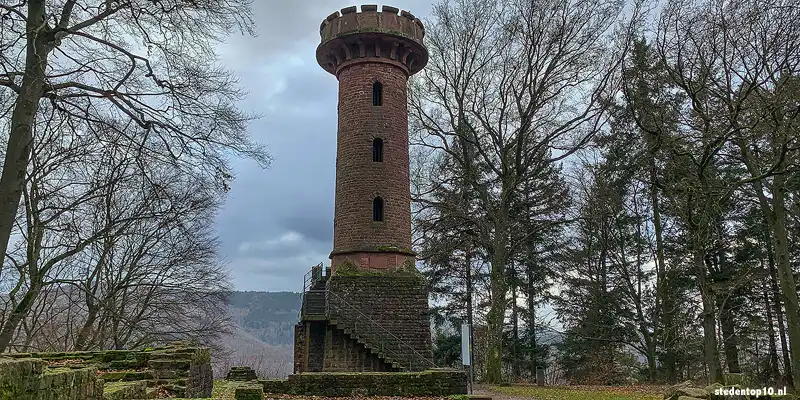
(308, 283)
(308, 278)
(389, 352)
(379, 326)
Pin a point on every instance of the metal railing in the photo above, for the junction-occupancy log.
(311, 277)
(388, 344)
(309, 280)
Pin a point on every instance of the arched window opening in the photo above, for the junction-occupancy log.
(377, 94)
(377, 150)
(377, 209)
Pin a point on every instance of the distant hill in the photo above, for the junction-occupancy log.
(262, 334)
(267, 316)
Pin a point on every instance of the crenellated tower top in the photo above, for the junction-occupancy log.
(390, 35)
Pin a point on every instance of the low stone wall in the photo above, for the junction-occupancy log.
(29, 379)
(248, 391)
(239, 390)
(125, 390)
(179, 369)
(241, 373)
(437, 382)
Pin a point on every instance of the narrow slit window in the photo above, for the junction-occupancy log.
(377, 150)
(377, 209)
(377, 94)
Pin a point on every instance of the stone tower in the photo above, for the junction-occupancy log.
(370, 311)
(372, 54)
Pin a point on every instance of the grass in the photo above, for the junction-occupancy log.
(221, 391)
(580, 392)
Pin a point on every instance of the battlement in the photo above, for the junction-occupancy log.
(392, 36)
(389, 20)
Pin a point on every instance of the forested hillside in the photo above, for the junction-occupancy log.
(261, 333)
(268, 316)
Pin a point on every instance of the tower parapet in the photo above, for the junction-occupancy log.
(351, 36)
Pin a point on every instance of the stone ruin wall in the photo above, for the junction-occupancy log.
(181, 370)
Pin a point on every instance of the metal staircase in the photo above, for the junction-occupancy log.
(320, 304)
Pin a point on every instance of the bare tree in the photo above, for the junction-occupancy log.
(159, 280)
(267, 361)
(61, 187)
(510, 87)
(120, 243)
(139, 63)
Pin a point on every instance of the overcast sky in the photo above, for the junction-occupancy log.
(278, 222)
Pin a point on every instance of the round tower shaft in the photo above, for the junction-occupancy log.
(372, 53)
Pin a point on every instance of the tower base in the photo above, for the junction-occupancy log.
(436, 382)
(359, 321)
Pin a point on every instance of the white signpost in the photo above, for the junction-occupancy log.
(466, 351)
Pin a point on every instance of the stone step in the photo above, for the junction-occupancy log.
(387, 350)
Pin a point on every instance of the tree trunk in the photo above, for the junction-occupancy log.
(774, 374)
(785, 278)
(668, 335)
(496, 316)
(515, 371)
(774, 213)
(727, 319)
(469, 303)
(16, 316)
(710, 351)
(776, 304)
(532, 321)
(664, 308)
(23, 119)
(86, 329)
(469, 307)
(729, 340)
(651, 360)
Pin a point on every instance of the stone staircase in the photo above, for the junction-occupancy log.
(373, 336)
(313, 307)
(321, 304)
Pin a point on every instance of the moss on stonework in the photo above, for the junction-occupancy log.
(180, 369)
(407, 268)
(393, 248)
(347, 267)
(429, 383)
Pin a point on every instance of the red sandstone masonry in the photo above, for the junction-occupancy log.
(362, 48)
(358, 179)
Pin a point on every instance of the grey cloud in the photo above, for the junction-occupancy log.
(272, 274)
(313, 227)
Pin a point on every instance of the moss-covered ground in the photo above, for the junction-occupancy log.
(220, 389)
(292, 397)
(636, 392)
